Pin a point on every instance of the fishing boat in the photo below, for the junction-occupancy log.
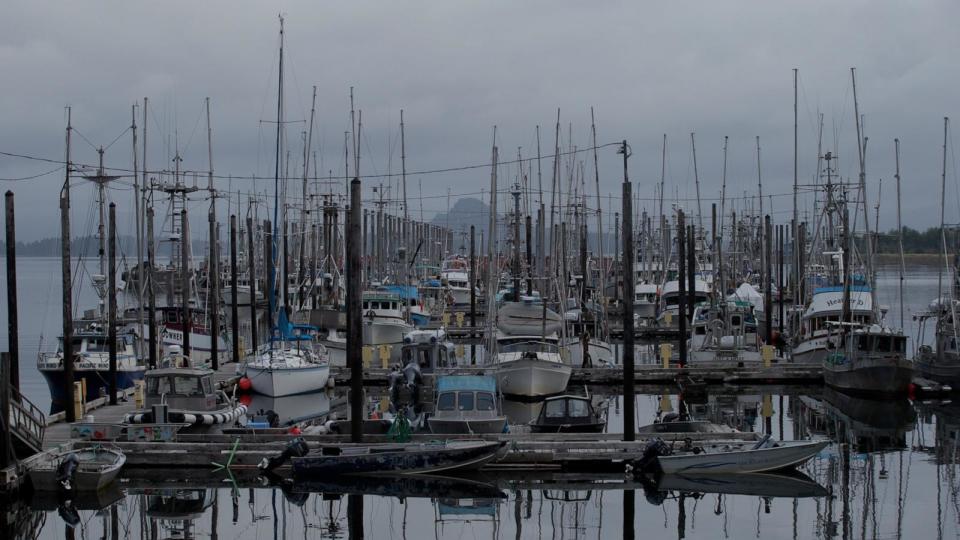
(732, 457)
(384, 320)
(670, 300)
(330, 461)
(568, 414)
(645, 298)
(825, 308)
(454, 272)
(410, 303)
(868, 359)
(530, 367)
(186, 395)
(290, 363)
(940, 362)
(726, 333)
(80, 470)
(91, 363)
(467, 404)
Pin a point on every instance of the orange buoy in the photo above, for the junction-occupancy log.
(244, 384)
(295, 430)
(246, 399)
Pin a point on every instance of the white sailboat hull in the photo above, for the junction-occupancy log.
(287, 381)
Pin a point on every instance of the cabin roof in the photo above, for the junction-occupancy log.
(484, 383)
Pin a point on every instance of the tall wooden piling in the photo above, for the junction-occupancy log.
(185, 281)
(629, 420)
(691, 271)
(6, 442)
(213, 292)
(529, 226)
(354, 315)
(780, 276)
(269, 276)
(151, 294)
(767, 280)
(473, 291)
(67, 286)
(252, 279)
(682, 283)
(112, 303)
(13, 332)
(234, 308)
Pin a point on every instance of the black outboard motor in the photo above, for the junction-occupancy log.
(66, 471)
(648, 463)
(295, 448)
(68, 513)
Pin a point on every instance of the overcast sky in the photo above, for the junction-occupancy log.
(714, 68)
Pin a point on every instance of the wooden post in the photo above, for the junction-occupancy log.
(354, 316)
(284, 266)
(252, 278)
(473, 291)
(151, 294)
(185, 281)
(234, 309)
(213, 291)
(13, 333)
(112, 303)
(5, 440)
(269, 276)
(67, 287)
(767, 280)
(780, 284)
(629, 420)
(691, 271)
(682, 283)
(529, 225)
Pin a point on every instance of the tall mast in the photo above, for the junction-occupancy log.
(491, 238)
(553, 199)
(943, 198)
(596, 178)
(276, 184)
(861, 151)
(896, 154)
(723, 187)
(794, 265)
(696, 181)
(663, 170)
(403, 170)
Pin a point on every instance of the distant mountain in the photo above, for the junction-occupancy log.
(465, 212)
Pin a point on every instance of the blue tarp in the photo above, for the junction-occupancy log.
(466, 382)
(839, 288)
(405, 292)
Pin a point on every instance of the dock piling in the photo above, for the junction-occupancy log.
(234, 309)
(354, 315)
(629, 420)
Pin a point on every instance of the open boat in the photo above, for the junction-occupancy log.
(741, 457)
(88, 469)
(409, 458)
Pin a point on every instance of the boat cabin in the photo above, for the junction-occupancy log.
(382, 304)
(466, 396)
(429, 349)
(181, 388)
(568, 414)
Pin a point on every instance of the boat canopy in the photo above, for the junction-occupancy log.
(484, 383)
(405, 292)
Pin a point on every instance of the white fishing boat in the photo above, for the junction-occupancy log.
(670, 300)
(740, 457)
(825, 308)
(645, 298)
(455, 274)
(185, 395)
(530, 367)
(725, 333)
(384, 321)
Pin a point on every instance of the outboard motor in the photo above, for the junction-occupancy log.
(66, 471)
(295, 448)
(68, 513)
(648, 463)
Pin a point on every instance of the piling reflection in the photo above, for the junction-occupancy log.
(891, 473)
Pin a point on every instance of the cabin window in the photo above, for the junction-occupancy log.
(171, 316)
(466, 401)
(900, 344)
(366, 305)
(447, 401)
(186, 386)
(578, 409)
(158, 385)
(953, 344)
(735, 320)
(443, 357)
(484, 401)
(884, 344)
(207, 385)
(863, 343)
(701, 330)
(556, 408)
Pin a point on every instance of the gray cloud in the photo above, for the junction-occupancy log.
(720, 68)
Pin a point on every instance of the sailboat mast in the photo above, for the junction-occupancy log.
(596, 177)
(943, 198)
(271, 277)
(696, 181)
(896, 155)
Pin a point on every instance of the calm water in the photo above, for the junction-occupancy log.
(900, 478)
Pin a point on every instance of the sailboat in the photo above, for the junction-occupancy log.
(291, 362)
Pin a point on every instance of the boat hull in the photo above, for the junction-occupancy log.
(532, 378)
(784, 456)
(96, 470)
(592, 427)
(96, 381)
(403, 459)
(601, 353)
(870, 376)
(225, 415)
(280, 381)
(467, 425)
(944, 372)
